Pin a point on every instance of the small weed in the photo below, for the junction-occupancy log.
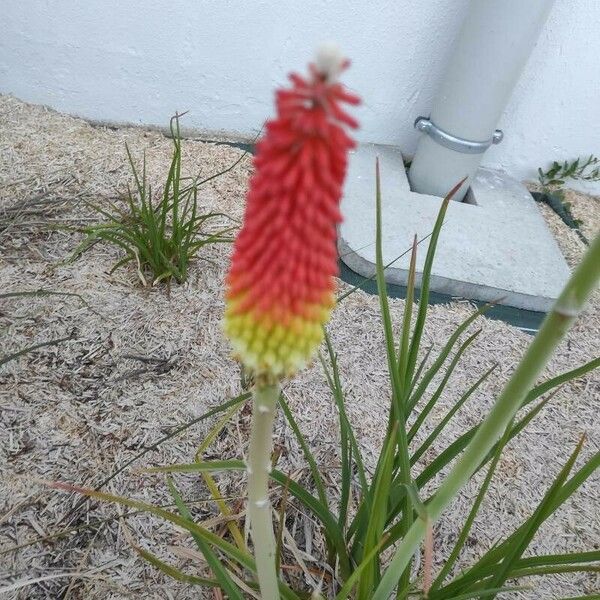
(577, 170)
(555, 177)
(161, 233)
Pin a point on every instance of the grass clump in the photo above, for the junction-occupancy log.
(159, 233)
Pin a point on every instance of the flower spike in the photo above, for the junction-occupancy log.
(280, 286)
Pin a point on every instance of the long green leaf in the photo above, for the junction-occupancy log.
(464, 533)
(425, 281)
(559, 559)
(520, 573)
(345, 433)
(441, 387)
(515, 545)
(173, 572)
(377, 517)
(493, 592)
(335, 385)
(310, 459)
(434, 435)
(213, 561)
(346, 428)
(562, 378)
(397, 426)
(431, 372)
(350, 582)
(407, 317)
(243, 558)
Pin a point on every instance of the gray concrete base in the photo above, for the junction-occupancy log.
(494, 247)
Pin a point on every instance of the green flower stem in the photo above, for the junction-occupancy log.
(554, 328)
(259, 505)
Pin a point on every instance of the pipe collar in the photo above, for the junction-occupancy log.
(453, 142)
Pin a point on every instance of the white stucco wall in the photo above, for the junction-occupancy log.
(139, 61)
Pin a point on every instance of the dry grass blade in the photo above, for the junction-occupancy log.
(23, 583)
(23, 351)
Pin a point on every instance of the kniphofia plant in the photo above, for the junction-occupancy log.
(281, 286)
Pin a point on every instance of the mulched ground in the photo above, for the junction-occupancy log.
(141, 362)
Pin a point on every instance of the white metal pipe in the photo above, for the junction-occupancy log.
(491, 50)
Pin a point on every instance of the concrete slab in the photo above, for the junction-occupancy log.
(494, 247)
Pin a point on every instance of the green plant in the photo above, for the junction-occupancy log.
(161, 233)
(555, 177)
(389, 511)
(580, 169)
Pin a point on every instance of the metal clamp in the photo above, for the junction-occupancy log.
(455, 143)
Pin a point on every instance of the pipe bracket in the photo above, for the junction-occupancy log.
(453, 142)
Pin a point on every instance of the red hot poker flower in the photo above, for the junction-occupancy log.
(280, 286)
